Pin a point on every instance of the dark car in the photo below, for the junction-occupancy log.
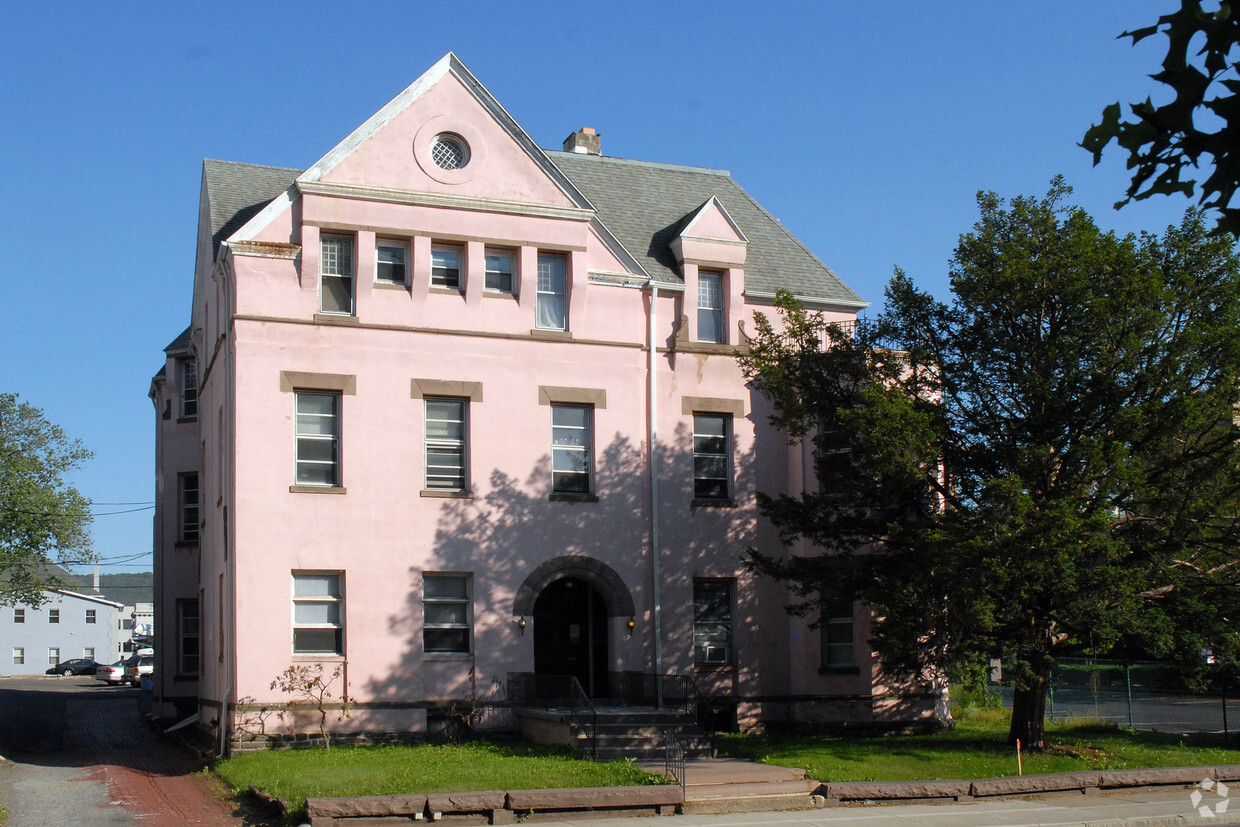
(77, 666)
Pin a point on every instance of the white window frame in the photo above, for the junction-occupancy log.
(336, 263)
(88, 652)
(572, 458)
(713, 634)
(709, 451)
(328, 432)
(19, 655)
(53, 616)
(189, 512)
(53, 655)
(439, 446)
(333, 599)
(442, 275)
(551, 301)
(189, 628)
(710, 307)
(389, 267)
(498, 274)
(839, 625)
(19, 615)
(434, 601)
(91, 616)
(189, 389)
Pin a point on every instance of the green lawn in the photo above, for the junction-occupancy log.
(974, 749)
(295, 775)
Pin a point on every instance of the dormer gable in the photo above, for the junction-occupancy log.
(710, 238)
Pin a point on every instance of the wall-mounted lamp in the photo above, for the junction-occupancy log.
(521, 624)
(631, 626)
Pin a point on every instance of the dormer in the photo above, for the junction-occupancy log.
(711, 251)
(711, 238)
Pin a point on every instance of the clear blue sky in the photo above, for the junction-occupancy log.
(866, 128)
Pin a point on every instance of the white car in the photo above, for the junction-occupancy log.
(113, 675)
(138, 667)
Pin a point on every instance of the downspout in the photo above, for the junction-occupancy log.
(654, 499)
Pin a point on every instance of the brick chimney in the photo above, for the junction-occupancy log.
(584, 141)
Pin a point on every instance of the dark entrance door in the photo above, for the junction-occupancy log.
(570, 634)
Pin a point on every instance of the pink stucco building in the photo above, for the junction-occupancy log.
(452, 408)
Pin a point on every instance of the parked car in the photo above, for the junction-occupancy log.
(77, 666)
(113, 675)
(138, 666)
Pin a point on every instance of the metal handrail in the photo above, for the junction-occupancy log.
(661, 691)
(557, 692)
(674, 757)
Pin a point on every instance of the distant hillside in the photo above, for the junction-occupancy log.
(130, 589)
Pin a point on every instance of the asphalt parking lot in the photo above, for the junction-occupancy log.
(79, 752)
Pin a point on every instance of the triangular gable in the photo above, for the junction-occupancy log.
(341, 164)
(712, 221)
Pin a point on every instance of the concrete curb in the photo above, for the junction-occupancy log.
(1018, 785)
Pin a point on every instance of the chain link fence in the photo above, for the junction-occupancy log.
(1136, 696)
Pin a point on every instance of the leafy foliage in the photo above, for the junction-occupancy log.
(1047, 462)
(1167, 144)
(42, 519)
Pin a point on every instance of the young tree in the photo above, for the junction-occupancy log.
(1200, 128)
(1049, 458)
(42, 519)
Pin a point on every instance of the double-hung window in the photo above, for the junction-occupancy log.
(318, 613)
(712, 456)
(446, 435)
(53, 615)
(19, 655)
(499, 271)
(318, 438)
(189, 389)
(446, 626)
(88, 652)
(189, 638)
(53, 655)
(550, 306)
(90, 616)
(390, 261)
(189, 507)
(446, 266)
(839, 648)
(336, 274)
(571, 448)
(710, 308)
(19, 615)
(712, 622)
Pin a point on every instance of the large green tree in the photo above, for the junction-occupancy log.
(42, 519)
(1196, 135)
(1049, 459)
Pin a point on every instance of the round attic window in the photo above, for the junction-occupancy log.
(449, 151)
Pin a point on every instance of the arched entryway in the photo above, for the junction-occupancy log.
(570, 634)
(572, 600)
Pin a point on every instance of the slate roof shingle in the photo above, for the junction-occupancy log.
(643, 204)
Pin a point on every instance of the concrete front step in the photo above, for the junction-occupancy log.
(698, 792)
(749, 804)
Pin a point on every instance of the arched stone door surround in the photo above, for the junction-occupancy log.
(571, 599)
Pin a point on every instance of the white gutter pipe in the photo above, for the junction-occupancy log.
(654, 499)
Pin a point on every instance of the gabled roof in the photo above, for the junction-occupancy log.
(238, 192)
(703, 212)
(646, 205)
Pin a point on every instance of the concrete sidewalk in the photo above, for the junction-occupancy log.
(1129, 808)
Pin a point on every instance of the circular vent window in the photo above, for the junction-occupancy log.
(449, 152)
